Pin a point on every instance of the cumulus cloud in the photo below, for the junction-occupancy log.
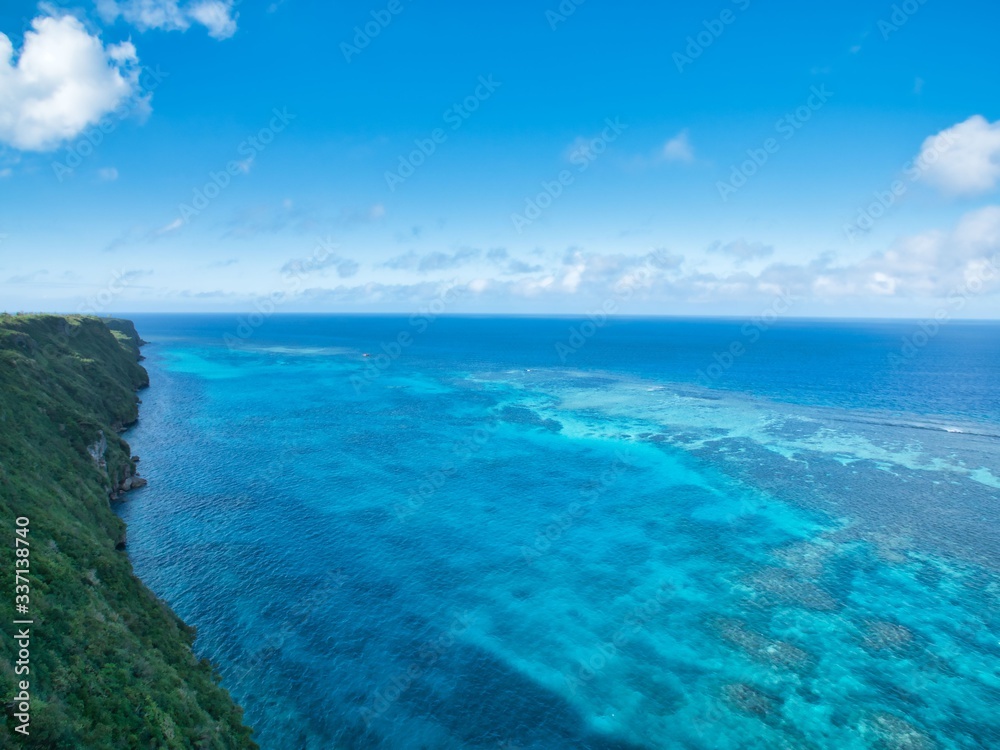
(962, 262)
(217, 16)
(508, 265)
(934, 265)
(515, 267)
(931, 265)
(666, 260)
(345, 268)
(679, 148)
(435, 261)
(63, 81)
(964, 159)
(741, 250)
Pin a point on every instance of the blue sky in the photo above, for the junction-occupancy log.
(540, 157)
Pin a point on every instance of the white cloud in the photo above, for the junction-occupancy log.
(107, 174)
(928, 265)
(169, 15)
(964, 159)
(345, 268)
(679, 148)
(145, 14)
(918, 274)
(741, 250)
(216, 16)
(63, 81)
(171, 227)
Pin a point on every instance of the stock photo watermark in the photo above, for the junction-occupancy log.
(580, 334)
(714, 28)
(582, 156)
(365, 33)
(958, 299)
(292, 276)
(429, 655)
(454, 117)
(217, 182)
(750, 334)
(392, 350)
(298, 613)
(561, 14)
(551, 533)
(600, 656)
(87, 143)
(96, 305)
(101, 301)
(432, 482)
(901, 15)
(885, 200)
(787, 127)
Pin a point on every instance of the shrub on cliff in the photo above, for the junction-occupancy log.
(111, 665)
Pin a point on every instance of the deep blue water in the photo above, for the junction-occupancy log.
(505, 535)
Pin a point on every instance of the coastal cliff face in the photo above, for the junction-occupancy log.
(111, 665)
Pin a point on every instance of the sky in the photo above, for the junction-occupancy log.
(723, 157)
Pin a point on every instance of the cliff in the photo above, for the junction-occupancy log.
(111, 665)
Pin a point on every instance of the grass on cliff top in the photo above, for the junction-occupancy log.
(111, 665)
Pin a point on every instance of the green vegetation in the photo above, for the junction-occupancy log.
(111, 665)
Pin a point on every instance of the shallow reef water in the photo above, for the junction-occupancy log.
(477, 544)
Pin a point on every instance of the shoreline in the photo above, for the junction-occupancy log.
(113, 665)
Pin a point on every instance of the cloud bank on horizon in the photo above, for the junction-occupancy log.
(372, 156)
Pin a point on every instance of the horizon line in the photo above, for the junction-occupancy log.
(524, 316)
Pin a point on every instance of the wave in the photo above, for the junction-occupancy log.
(876, 422)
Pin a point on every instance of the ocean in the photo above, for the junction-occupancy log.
(568, 533)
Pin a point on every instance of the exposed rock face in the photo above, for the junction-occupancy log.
(128, 482)
(129, 478)
(98, 450)
(122, 480)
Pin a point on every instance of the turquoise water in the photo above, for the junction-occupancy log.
(472, 543)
